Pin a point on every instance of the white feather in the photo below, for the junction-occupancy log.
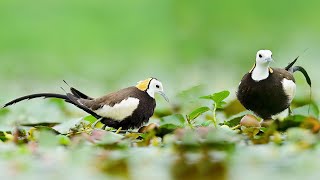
(260, 73)
(119, 111)
(282, 115)
(289, 88)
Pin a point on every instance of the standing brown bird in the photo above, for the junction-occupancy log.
(127, 108)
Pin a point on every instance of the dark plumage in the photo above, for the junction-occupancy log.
(271, 90)
(265, 97)
(127, 108)
(139, 116)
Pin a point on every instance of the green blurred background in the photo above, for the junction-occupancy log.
(101, 46)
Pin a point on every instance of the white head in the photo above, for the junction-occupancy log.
(152, 86)
(261, 69)
(263, 57)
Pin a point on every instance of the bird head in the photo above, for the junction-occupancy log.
(152, 86)
(263, 58)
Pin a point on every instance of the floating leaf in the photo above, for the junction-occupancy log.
(48, 124)
(176, 119)
(307, 110)
(235, 119)
(197, 112)
(110, 138)
(47, 139)
(64, 127)
(291, 121)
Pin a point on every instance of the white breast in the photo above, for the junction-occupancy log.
(119, 111)
(289, 88)
(282, 115)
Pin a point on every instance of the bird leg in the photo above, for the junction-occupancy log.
(266, 122)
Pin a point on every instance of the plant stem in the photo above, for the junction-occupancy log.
(214, 115)
(236, 127)
(189, 122)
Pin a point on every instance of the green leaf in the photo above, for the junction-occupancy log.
(206, 123)
(206, 97)
(220, 96)
(219, 105)
(59, 102)
(90, 119)
(175, 119)
(307, 110)
(110, 138)
(235, 119)
(64, 127)
(197, 112)
(4, 111)
(217, 97)
(63, 140)
(47, 139)
(314, 107)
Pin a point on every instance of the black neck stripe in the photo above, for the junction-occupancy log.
(254, 66)
(150, 83)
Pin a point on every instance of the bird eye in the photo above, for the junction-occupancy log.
(157, 86)
(260, 56)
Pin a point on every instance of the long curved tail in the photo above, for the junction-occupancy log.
(293, 69)
(70, 98)
(289, 67)
(32, 96)
(304, 72)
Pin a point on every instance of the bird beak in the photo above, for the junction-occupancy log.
(269, 59)
(164, 96)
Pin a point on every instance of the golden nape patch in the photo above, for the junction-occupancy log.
(143, 85)
(252, 68)
(270, 70)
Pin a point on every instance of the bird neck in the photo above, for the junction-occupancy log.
(260, 72)
(150, 92)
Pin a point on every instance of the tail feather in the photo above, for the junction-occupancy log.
(293, 69)
(304, 72)
(74, 100)
(32, 96)
(291, 64)
(79, 94)
(70, 98)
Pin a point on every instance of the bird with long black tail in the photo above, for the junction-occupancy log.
(127, 108)
(266, 91)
